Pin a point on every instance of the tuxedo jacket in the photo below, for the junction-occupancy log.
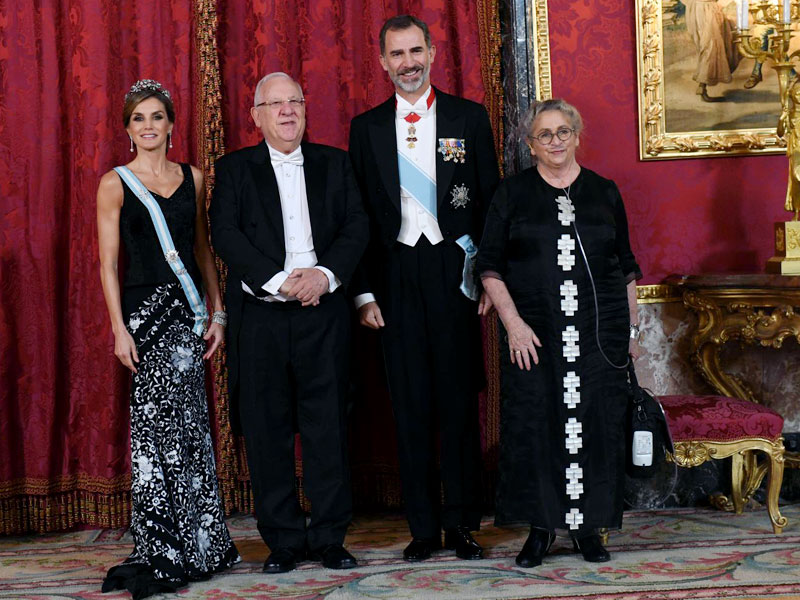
(247, 226)
(373, 150)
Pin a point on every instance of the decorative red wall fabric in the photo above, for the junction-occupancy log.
(66, 66)
(686, 216)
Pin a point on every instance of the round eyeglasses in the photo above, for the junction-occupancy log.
(546, 137)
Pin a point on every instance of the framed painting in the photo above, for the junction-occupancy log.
(698, 96)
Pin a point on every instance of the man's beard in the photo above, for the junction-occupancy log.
(412, 86)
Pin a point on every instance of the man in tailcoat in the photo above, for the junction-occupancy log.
(287, 219)
(426, 166)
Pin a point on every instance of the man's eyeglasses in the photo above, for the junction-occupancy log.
(277, 104)
(546, 137)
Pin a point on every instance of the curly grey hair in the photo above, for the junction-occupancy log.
(534, 110)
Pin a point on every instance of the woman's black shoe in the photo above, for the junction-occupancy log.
(592, 548)
(535, 547)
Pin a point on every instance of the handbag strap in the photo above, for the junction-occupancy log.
(168, 247)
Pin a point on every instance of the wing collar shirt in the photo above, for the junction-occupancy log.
(300, 253)
(414, 220)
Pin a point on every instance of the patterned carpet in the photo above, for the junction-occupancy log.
(659, 555)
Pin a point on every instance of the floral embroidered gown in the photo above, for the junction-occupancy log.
(177, 522)
(562, 446)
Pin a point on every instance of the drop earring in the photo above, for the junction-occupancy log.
(131, 139)
(169, 139)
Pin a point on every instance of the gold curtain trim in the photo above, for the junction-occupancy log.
(490, 43)
(234, 490)
(40, 505)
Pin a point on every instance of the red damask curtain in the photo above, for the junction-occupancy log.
(66, 65)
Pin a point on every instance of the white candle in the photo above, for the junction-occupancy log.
(787, 11)
(744, 14)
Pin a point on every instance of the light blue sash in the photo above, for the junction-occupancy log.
(168, 247)
(417, 183)
(468, 286)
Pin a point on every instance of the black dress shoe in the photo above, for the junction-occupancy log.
(592, 548)
(535, 547)
(460, 540)
(283, 560)
(334, 556)
(421, 549)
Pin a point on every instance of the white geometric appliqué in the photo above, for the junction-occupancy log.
(566, 212)
(573, 429)
(574, 518)
(572, 397)
(574, 485)
(566, 259)
(570, 336)
(569, 300)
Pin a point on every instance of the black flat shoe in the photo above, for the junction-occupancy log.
(283, 560)
(334, 556)
(421, 549)
(460, 540)
(592, 548)
(535, 547)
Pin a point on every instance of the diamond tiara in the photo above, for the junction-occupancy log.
(147, 85)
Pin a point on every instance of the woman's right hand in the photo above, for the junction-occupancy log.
(522, 343)
(125, 349)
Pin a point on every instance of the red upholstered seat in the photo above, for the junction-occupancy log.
(719, 419)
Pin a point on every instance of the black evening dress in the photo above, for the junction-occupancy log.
(176, 521)
(562, 442)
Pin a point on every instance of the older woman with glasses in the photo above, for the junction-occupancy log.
(556, 261)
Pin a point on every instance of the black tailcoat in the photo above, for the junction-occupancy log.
(431, 340)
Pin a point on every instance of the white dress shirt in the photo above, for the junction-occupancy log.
(296, 224)
(415, 221)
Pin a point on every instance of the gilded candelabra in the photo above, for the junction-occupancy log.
(773, 47)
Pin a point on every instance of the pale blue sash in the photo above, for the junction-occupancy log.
(168, 247)
(417, 183)
(468, 286)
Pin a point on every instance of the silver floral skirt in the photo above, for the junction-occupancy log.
(177, 523)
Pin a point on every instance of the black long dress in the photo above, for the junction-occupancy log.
(561, 433)
(176, 521)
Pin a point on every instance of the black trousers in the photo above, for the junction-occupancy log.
(431, 344)
(294, 365)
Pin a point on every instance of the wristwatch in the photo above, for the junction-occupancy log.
(635, 334)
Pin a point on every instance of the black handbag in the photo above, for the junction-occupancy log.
(646, 421)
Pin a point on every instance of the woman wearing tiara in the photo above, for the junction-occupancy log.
(162, 333)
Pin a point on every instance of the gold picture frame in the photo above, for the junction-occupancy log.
(675, 121)
(539, 36)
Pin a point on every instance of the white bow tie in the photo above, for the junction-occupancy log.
(293, 158)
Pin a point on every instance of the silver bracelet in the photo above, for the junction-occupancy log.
(220, 316)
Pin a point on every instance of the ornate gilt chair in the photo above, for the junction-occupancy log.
(714, 427)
